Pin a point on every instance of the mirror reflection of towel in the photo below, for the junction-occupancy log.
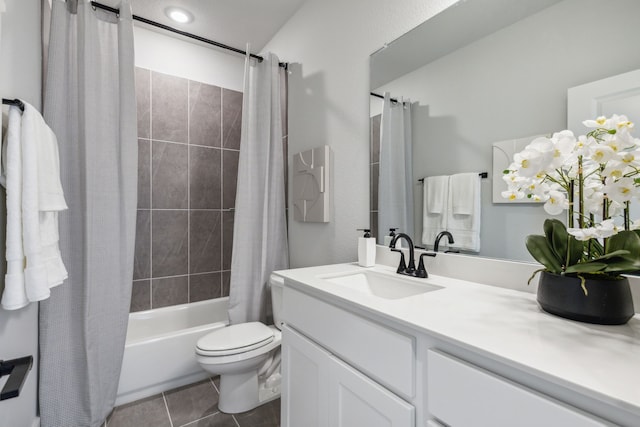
(463, 211)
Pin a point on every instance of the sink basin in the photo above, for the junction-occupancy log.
(381, 285)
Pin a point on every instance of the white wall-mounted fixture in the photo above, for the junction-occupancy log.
(179, 15)
(311, 171)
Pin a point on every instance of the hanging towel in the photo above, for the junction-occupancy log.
(14, 295)
(465, 227)
(463, 188)
(42, 198)
(434, 215)
(436, 190)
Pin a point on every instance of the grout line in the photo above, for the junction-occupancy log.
(214, 384)
(234, 419)
(164, 398)
(151, 189)
(194, 145)
(189, 190)
(200, 419)
(182, 275)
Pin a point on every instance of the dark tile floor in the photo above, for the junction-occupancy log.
(195, 405)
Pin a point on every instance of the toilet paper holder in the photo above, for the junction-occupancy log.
(17, 369)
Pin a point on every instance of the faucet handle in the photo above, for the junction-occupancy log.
(422, 271)
(402, 267)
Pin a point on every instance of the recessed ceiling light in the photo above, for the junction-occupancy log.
(180, 16)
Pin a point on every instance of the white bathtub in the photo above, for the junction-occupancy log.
(159, 353)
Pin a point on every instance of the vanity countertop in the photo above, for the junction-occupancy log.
(506, 325)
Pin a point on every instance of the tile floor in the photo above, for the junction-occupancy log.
(195, 405)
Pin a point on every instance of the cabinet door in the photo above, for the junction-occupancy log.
(357, 401)
(305, 369)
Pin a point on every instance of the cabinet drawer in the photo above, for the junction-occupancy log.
(460, 394)
(382, 353)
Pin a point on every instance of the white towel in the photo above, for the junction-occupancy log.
(463, 188)
(14, 295)
(42, 198)
(465, 228)
(436, 191)
(434, 215)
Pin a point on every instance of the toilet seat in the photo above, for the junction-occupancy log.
(235, 339)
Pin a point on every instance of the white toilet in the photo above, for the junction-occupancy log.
(247, 358)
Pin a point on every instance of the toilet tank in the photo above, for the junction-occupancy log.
(277, 287)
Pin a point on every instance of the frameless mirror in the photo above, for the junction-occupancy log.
(485, 71)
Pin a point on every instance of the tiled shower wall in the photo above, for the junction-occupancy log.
(374, 139)
(188, 142)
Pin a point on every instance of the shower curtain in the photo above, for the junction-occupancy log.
(395, 185)
(259, 233)
(90, 104)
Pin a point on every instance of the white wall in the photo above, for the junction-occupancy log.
(328, 43)
(20, 77)
(188, 59)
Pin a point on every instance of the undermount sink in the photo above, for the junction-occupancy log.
(380, 285)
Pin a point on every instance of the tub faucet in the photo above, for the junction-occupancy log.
(440, 236)
(402, 267)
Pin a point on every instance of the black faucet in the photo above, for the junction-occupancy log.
(440, 236)
(402, 268)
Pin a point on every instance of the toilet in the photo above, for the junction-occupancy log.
(247, 358)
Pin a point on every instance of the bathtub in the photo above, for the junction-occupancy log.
(159, 352)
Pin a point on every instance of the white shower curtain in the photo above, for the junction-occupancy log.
(90, 104)
(395, 185)
(259, 233)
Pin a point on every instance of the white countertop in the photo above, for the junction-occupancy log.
(599, 361)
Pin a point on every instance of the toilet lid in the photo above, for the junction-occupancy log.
(235, 339)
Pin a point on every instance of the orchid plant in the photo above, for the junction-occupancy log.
(594, 177)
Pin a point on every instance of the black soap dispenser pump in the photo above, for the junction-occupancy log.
(389, 238)
(366, 249)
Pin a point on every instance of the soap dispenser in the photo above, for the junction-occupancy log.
(389, 238)
(366, 249)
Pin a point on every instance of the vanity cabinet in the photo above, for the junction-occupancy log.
(320, 390)
(352, 365)
(324, 380)
(490, 400)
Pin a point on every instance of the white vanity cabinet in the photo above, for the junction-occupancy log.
(350, 362)
(490, 400)
(320, 389)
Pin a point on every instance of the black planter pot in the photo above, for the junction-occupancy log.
(608, 301)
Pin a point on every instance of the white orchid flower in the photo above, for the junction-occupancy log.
(583, 234)
(556, 203)
(600, 122)
(621, 190)
(512, 195)
(630, 158)
(606, 228)
(615, 169)
(601, 153)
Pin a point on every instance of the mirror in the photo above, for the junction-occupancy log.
(485, 71)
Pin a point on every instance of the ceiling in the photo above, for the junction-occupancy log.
(232, 22)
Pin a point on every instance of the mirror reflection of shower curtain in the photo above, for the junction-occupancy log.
(395, 185)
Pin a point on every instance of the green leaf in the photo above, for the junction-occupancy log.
(625, 241)
(586, 267)
(575, 249)
(541, 251)
(622, 265)
(618, 253)
(557, 236)
(596, 248)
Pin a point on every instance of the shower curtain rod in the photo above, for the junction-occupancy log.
(97, 5)
(377, 95)
(481, 175)
(15, 102)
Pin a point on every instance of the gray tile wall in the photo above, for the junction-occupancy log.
(374, 138)
(188, 142)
